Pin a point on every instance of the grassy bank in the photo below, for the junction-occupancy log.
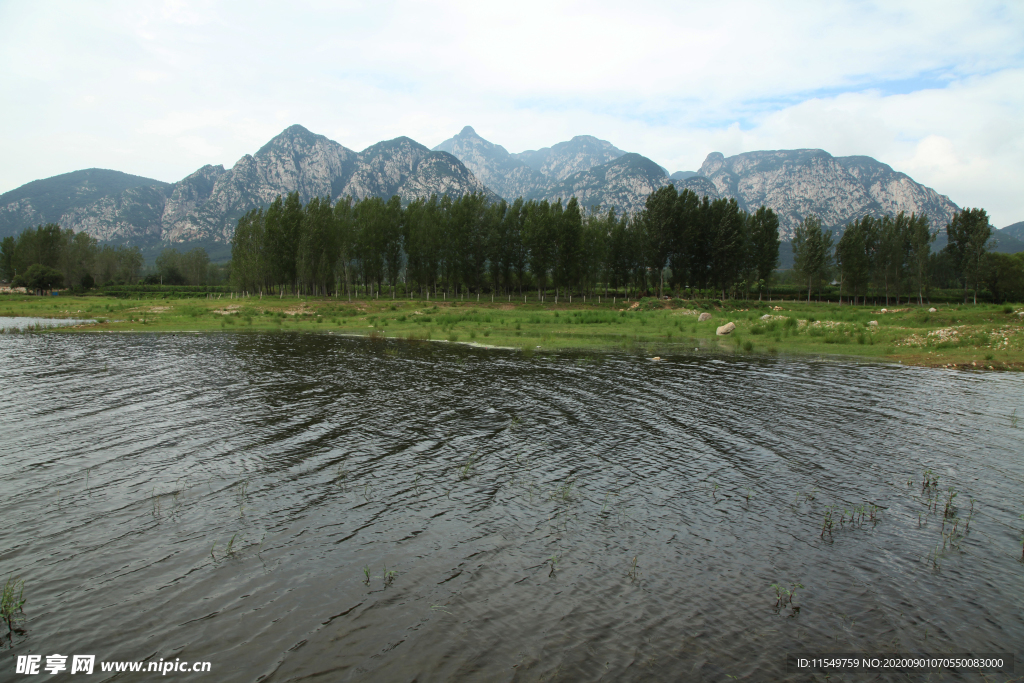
(975, 336)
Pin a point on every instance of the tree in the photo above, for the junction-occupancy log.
(854, 256)
(920, 239)
(727, 243)
(1003, 275)
(812, 252)
(392, 241)
(40, 278)
(290, 236)
(764, 244)
(968, 233)
(515, 217)
(317, 250)
(249, 252)
(659, 218)
(537, 234)
(7, 265)
(168, 266)
(568, 244)
(195, 266)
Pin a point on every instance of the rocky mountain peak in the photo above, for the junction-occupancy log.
(798, 182)
(564, 159)
(493, 165)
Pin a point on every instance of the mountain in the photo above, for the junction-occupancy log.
(1010, 239)
(1015, 231)
(493, 165)
(84, 196)
(622, 184)
(205, 206)
(795, 183)
(560, 161)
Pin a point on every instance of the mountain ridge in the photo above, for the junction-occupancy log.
(205, 205)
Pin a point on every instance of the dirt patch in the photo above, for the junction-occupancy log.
(507, 307)
(226, 311)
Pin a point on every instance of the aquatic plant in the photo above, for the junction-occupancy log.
(465, 470)
(782, 594)
(1013, 418)
(11, 602)
(828, 522)
(634, 572)
(554, 564)
(366, 573)
(949, 510)
(241, 494)
(389, 575)
(564, 492)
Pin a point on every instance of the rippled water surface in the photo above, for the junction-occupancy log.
(563, 517)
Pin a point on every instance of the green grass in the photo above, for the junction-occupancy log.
(977, 336)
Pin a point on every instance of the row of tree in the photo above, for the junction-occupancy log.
(192, 267)
(893, 254)
(472, 245)
(76, 257)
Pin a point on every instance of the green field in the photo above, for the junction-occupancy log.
(983, 336)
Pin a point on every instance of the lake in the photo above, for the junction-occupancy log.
(300, 506)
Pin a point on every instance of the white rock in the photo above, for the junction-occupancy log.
(725, 329)
(703, 316)
(885, 310)
(766, 316)
(932, 310)
(873, 323)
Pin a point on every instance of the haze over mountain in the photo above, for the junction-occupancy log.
(205, 206)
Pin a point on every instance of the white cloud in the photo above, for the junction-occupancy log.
(932, 88)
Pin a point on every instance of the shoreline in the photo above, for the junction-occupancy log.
(972, 337)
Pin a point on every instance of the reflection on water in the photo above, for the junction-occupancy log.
(290, 506)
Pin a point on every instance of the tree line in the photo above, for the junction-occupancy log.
(892, 256)
(48, 257)
(440, 246)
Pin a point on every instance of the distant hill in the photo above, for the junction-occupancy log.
(131, 198)
(1010, 240)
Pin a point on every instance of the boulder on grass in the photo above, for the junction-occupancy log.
(703, 316)
(873, 323)
(932, 310)
(725, 329)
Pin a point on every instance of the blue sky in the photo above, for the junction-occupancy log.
(934, 89)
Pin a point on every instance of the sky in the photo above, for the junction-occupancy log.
(158, 89)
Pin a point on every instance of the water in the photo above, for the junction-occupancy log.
(510, 495)
(13, 323)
